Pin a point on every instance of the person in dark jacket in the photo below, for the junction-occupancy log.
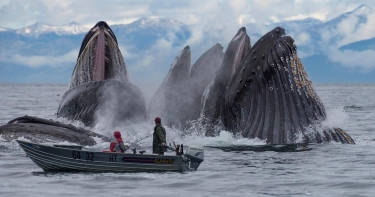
(159, 138)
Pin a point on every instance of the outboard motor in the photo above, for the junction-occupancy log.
(180, 149)
(195, 154)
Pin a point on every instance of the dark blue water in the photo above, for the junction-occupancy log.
(326, 170)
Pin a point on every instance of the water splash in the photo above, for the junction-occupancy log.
(194, 135)
(225, 138)
(336, 117)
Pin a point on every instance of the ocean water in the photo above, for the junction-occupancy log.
(327, 170)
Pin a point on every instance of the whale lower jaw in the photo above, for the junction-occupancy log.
(117, 101)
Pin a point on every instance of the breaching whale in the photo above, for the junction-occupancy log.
(258, 92)
(168, 101)
(202, 72)
(99, 86)
(99, 90)
(177, 99)
(271, 98)
(213, 97)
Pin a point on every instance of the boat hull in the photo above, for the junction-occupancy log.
(51, 158)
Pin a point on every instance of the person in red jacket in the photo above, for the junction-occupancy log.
(117, 145)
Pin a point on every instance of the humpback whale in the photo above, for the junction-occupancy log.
(258, 92)
(270, 96)
(99, 90)
(213, 97)
(168, 101)
(99, 85)
(202, 72)
(177, 99)
(42, 130)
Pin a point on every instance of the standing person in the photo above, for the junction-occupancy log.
(159, 137)
(117, 145)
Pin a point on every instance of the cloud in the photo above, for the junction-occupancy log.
(349, 30)
(303, 39)
(148, 69)
(212, 21)
(41, 61)
(4, 2)
(363, 61)
(318, 15)
(354, 29)
(18, 13)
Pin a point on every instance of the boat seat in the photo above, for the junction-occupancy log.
(142, 151)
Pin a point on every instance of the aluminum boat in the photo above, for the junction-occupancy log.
(76, 158)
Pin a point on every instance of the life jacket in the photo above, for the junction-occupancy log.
(115, 144)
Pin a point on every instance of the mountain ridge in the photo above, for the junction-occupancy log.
(149, 45)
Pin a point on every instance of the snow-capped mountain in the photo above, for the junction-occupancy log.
(298, 26)
(362, 11)
(362, 14)
(4, 29)
(156, 23)
(150, 27)
(42, 28)
(144, 32)
(349, 27)
(328, 49)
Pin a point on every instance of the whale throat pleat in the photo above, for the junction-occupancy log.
(99, 65)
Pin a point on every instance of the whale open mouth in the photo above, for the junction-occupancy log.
(98, 72)
(243, 48)
(99, 58)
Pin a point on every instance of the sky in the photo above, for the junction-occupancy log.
(16, 14)
(208, 14)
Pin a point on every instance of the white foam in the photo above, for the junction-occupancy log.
(142, 134)
(336, 117)
(225, 138)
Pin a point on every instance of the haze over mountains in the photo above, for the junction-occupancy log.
(341, 50)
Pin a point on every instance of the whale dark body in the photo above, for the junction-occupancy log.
(202, 72)
(213, 97)
(42, 130)
(100, 90)
(271, 98)
(168, 101)
(117, 101)
(178, 99)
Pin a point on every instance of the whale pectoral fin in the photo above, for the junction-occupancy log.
(42, 130)
(344, 136)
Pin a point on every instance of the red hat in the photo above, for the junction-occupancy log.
(157, 120)
(117, 134)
